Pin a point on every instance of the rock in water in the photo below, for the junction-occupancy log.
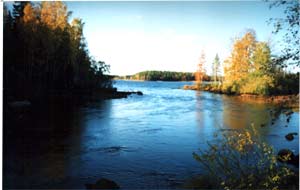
(139, 93)
(288, 113)
(103, 183)
(290, 136)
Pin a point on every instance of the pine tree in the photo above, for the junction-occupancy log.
(216, 69)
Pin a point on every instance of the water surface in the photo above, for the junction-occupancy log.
(139, 142)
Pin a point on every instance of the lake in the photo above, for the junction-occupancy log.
(139, 142)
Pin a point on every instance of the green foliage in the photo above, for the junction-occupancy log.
(231, 87)
(258, 85)
(164, 76)
(286, 83)
(261, 60)
(216, 69)
(240, 160)
(212, 87)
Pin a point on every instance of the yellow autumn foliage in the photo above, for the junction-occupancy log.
(249, 68)
(238, 64)
(29, 14)
(54, 14)
(200, 69)
(241, 160)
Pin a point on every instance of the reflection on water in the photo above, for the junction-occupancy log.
(139, 142)
(238, 113)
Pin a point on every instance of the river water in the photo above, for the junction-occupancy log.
(139, 142)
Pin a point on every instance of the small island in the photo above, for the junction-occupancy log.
(160, 76)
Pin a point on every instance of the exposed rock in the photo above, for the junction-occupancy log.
(290, 136)
(288, 113)
(103, 183)
(120, 94)
(139, 93)
(125, 94)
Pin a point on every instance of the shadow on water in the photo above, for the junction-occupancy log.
(39, 143)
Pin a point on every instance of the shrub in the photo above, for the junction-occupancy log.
(258, 85)
(241, 160)
(231, 88)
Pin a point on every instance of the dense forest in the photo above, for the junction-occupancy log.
(45, 52)
(163, 76)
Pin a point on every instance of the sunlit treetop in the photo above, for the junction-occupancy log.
(54, 14)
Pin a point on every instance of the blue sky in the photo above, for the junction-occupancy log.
(137, 36)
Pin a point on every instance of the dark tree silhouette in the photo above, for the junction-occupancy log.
(45, 52)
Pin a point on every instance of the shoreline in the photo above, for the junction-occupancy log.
(66, 97)
(285, 101)
(156, 80)
(291, 100)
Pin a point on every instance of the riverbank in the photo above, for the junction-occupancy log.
(64, 98)
(290, 100)
(286, 100)
(141, 80)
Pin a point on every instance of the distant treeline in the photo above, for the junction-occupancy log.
(163, 76)
(45, 52)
